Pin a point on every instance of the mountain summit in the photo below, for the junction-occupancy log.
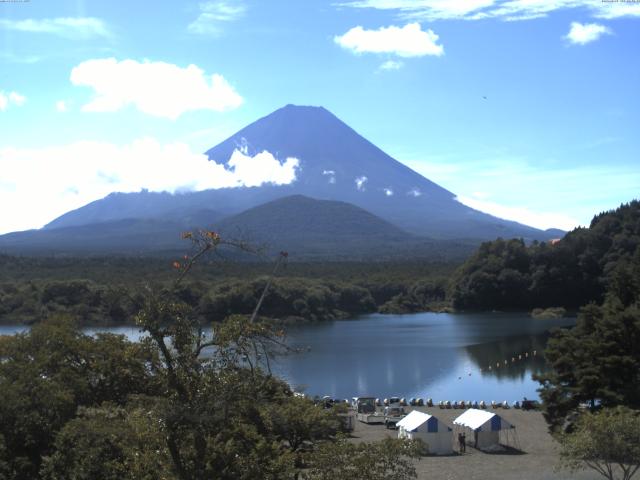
(335, 161)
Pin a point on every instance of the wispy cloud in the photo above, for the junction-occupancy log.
(508, 10)
(391, 65)
(14, 58)
(155, 88)
(69, 176)
(68, 27)
(522, 214)
(11, 99)
(407, 41)
(424, 9)
(214, 14)
(581, 34)
(509, 186)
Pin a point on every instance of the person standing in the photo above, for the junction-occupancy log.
(461, 442)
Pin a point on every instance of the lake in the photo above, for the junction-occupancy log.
(438, 355)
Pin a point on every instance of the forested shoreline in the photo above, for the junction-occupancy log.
(571, 272)
(111, 290)
(500, 275)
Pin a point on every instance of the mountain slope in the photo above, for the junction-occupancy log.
(309, 228)
(333, 158)
(127, 236)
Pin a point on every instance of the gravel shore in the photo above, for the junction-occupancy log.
(536, 458)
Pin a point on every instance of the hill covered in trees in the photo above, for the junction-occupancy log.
(571, 272)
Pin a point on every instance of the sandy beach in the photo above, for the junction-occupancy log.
(536, 459)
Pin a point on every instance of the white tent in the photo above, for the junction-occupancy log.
(485, 427)
(435, 434)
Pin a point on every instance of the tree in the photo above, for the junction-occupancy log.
(50, 371)
(607, 442)
(597, 362)
(210, 408)
(109, 443)
(390, 459)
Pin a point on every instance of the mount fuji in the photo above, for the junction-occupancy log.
(334, 163)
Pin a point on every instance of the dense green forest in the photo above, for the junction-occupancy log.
(574, 271)
(503, 274)
(107, 290)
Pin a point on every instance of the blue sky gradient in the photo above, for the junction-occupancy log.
(530, 111)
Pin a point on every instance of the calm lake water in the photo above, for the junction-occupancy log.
(442, 356)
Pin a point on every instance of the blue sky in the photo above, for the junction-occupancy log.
(527, 109)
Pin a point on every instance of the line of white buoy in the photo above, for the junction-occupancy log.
(514, 359)
(428, 402)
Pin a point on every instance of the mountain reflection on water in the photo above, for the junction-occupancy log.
(442, 356)
(514, 350)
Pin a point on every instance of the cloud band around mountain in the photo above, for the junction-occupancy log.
(71, 176)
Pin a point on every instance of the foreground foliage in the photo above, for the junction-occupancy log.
(597, 363)
(177, 405)
(389, 459)
(607, 442)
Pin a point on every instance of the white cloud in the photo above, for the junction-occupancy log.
(17, 99)
(360, 181)
(430, 10)
(155, 88)
(213, 13)
(73, 175)
(61, 106)
(414, 192)
(521, 214)
(69, 27)
(581, 34)
(391, 65)
(407, 41)
(11, 98)
(262, 168)
(388, 192)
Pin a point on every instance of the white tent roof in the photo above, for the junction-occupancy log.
(413, 420)
(480, 419)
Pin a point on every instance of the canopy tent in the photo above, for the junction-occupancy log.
(485, 428)
(435, 434)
